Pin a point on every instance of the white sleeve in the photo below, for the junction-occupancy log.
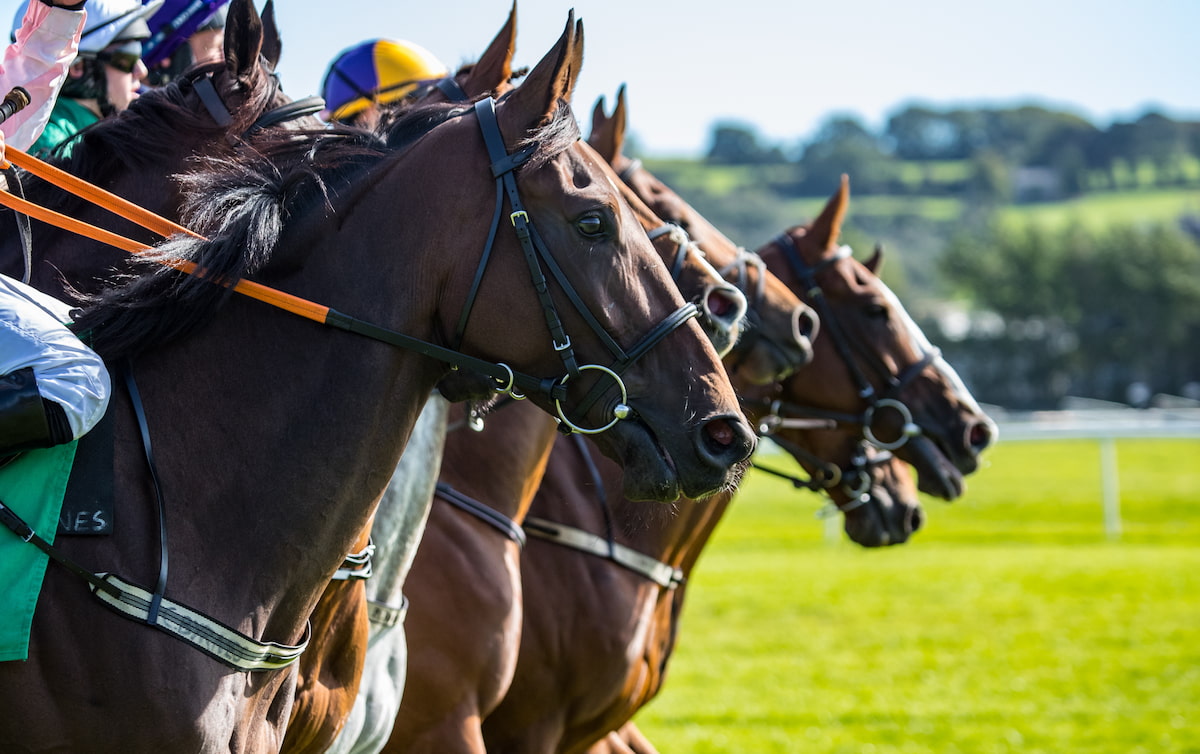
(32, 334)
(38, 61)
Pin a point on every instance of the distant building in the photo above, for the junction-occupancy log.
(1031, 184)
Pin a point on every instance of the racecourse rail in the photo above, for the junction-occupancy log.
(1105, 423)
(1081, 419)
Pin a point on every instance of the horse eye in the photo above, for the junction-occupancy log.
(877, 311)
(591, 225)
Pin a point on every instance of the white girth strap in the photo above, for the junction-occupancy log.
(214, 639)
(357, 564)
(660, 573)
(384, 615)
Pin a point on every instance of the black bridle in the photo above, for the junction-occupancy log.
(855, 480)
(201, 82)
(503, 168)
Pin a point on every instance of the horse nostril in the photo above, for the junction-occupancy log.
(807, 322)
(725, 304)
(727, 440)
(916, 518)
(720, 432)
(979, 436)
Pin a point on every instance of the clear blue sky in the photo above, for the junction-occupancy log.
(784, 66)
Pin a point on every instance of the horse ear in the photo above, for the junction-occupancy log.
(828, 225)
(600, 138)
(875, 262)
(243, 39)
(620, 119)
(608, 134)
(272, 46)
(493, 71)
(576, 59)
(550, 82)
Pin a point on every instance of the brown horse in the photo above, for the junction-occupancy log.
(464, 621)
(135, 155)
(278, 507)
(873, 514)
(591, 657)
(331, 711)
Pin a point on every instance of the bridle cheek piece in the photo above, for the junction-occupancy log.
(503, 168)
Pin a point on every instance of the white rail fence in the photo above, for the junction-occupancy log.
(1106, 423)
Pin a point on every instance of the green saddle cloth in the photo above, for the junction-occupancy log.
(32, 486)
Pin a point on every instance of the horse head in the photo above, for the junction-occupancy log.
(776, 337)
(876, 388)
(670, 447)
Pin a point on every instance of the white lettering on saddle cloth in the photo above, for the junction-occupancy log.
(83, 522)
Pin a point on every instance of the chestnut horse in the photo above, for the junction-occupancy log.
(278, 507)
(591, 657)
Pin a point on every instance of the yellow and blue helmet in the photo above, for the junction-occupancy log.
(375, 72)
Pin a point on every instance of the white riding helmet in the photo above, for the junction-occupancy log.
(108, 21)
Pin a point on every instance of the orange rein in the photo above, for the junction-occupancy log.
(143, 217)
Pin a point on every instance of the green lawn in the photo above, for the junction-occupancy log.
(1010, 624)
(1101, 209)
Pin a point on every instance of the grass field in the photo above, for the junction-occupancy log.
(1099, 210)
(1009, 624)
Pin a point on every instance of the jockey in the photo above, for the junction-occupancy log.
(375, 72)
(107, 72)
(52, 387)
(184, 33)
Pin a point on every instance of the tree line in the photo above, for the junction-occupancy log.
(1112, 314)
(1015, 153)
(1028, 315)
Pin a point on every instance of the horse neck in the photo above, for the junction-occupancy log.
(314, 459)
(503, 465)
(404, 509)
(664, 532)
(63, 258)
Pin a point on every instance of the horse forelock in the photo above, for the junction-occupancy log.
(552, 138)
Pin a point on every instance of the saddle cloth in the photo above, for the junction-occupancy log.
(32, 486)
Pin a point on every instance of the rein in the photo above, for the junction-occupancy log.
(292, 304)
